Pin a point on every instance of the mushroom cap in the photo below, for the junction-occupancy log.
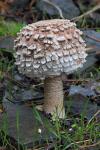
(49, 47)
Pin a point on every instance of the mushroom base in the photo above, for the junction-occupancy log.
(53, 97)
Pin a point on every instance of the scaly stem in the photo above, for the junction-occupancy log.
(53, 96)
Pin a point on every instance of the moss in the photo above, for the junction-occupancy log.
(10, 28)
(98, 30)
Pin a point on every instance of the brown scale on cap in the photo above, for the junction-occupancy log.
(49, 48)
(44, 48)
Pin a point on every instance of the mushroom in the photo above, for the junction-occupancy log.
(53, 47)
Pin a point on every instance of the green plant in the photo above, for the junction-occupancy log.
(5, 67)
(4, 130)
(10, 28)
(78, 135)
(98, 30)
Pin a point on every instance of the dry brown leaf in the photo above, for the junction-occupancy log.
(2, 109)
(4, 7)
(2, 148)
(96, 1)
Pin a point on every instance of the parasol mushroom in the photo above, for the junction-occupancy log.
(46, 49)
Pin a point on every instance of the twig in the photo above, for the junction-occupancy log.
(93, 117)
(79, 80)
(93, 38)
(31, 4)
(9, 16)
(87, 13)
(33, 86)
(79, 142)
(89, 28)
(96, 96)
(68, 80)
(57, 7)
(90, 49)
(90, 146)
(7, 76)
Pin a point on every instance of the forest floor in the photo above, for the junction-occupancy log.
(23, 126)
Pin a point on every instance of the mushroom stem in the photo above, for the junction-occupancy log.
(53, 96)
